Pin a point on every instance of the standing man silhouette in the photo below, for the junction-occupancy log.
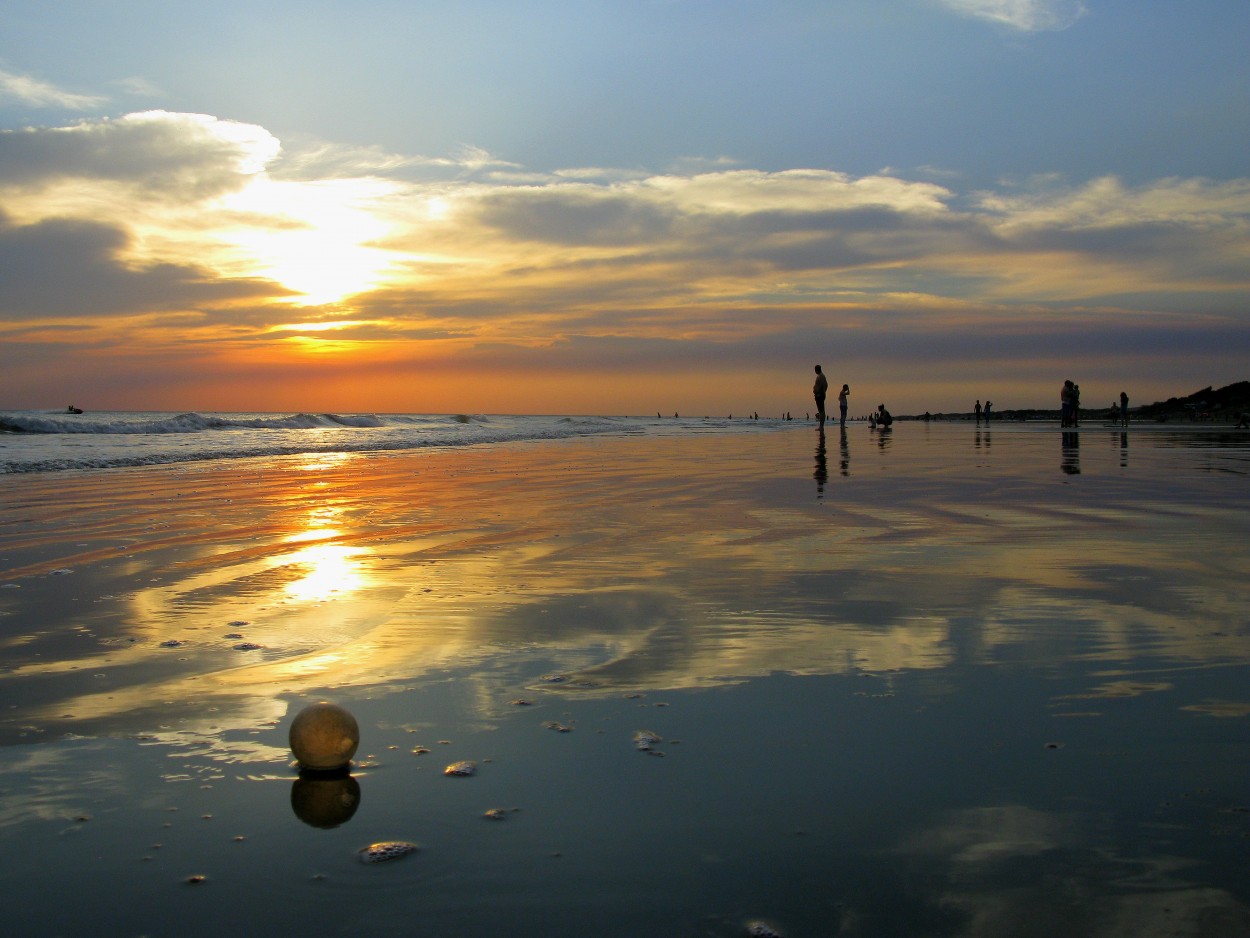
(819, 390)
(846, 389)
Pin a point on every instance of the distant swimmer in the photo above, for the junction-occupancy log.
(819, 390)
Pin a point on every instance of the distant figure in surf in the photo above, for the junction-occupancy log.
(819, 390)
(1065, 404)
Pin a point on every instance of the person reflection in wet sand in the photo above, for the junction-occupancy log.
(325, 799)
(845, 452)
(1123, 450)
(1071, 463)
(821, 475)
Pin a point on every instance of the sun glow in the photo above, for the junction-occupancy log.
(316, 239)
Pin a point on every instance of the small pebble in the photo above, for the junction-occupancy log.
(463, 768)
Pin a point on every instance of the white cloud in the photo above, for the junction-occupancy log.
(185, 154)
(746, 191)
(139, 87)
(1024, 15)
(36, 93)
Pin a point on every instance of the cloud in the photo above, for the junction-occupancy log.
(188, 156)
(35, 93)
(161, 225)
(139, 87)
(1022, 15)
(64, 269)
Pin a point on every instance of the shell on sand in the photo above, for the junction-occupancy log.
(466, 767)
(386, 850)
(645, 739)
(762, 929)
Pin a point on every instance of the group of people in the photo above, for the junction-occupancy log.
(1070, 404)
(880, 418)
(820, 389)
(983, 411)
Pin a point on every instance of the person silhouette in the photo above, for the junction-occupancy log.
(846, 389)
(819, 390)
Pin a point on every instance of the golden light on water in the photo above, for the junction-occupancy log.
(331, 570)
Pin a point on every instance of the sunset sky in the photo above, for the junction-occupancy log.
(620, 206)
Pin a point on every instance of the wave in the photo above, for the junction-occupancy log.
(181, 423)
(32, 441)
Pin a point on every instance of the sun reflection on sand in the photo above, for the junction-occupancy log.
(331, 570)
(661, 572)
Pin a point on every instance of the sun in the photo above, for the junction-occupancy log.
(317, 239)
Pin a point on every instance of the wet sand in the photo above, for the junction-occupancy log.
(939, 681)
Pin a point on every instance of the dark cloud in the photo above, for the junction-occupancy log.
(574, 217)
(63, 268)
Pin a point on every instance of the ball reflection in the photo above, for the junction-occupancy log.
(324, 799)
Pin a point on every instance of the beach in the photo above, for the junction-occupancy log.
(941, 680)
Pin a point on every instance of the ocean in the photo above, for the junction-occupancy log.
(42, 441)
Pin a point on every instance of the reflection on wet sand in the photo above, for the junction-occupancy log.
(821, 474)
(325, 800)
(980, 683)
(1071, 462)
(689, 565)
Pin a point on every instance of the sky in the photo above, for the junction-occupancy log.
(621, 206)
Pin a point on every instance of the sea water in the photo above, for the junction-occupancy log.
(41, 441)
